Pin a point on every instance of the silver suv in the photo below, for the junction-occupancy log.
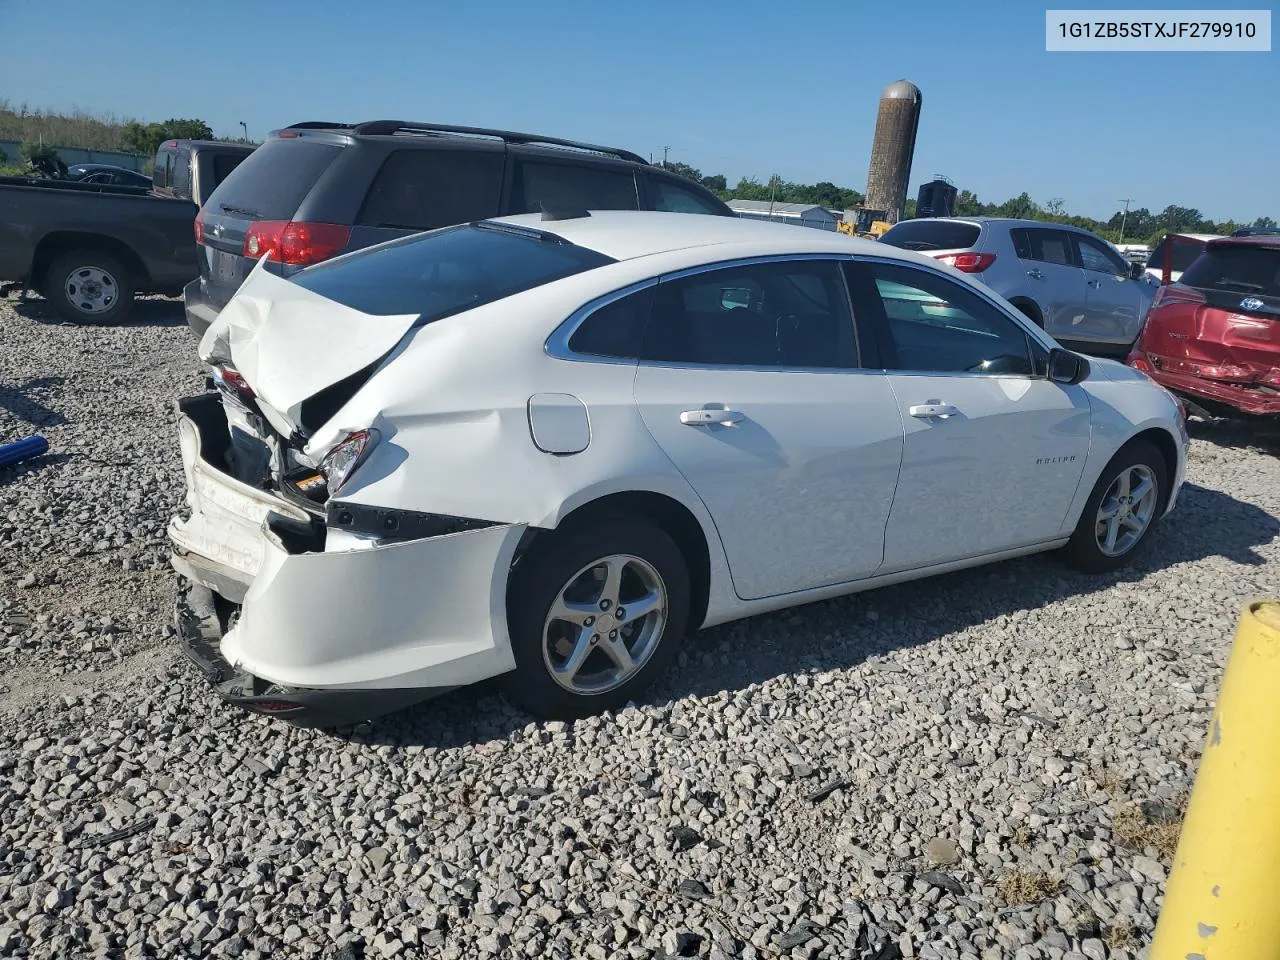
(1073, 284)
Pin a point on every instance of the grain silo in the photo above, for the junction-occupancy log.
(892, 148)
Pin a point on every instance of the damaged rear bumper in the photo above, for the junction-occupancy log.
(322, 626)
(1258, 399)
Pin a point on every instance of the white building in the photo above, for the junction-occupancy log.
(800, 214)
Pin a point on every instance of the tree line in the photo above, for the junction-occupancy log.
(1140, 225)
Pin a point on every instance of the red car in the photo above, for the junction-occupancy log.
(1214, 336)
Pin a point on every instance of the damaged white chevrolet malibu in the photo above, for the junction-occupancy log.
(544, 448)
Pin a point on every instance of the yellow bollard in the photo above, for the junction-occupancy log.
(1223, 898)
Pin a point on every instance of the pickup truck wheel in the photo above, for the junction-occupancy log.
(89, 285)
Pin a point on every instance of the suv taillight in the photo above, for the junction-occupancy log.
(968, 262)
(1176, 293)
(295, 242)
(199, 226)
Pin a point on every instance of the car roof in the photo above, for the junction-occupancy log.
(1267, 240)
(627, 234)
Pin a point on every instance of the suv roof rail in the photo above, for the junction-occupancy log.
(382, 128)
(319, 125)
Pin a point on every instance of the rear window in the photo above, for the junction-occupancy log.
(1184, 254)
(223, 164)
(1245, 270)
(932, 235)
(447, 271)
(273, 180)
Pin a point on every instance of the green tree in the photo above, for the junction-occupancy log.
(715, 182)
(1055, 207)
(968, 204)
(146, 138)
(1264, 223)
(682, 170)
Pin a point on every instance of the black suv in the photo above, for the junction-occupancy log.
(313, 191)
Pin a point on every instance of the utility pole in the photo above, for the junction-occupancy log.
(773, 190)
(245, 127)
(1124, 218)
(664, 156)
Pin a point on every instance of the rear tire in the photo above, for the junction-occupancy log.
(574, 657)
(89, 285)
(1122, 509)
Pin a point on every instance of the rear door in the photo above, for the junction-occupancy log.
(1054, 278)
(269, 185)
(993, 450)
(423, 189)
(1114, 304)
(752, 382)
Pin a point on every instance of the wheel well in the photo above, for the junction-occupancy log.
(54, 245)
(1164, 442)
(669, 515)
(1030, 308)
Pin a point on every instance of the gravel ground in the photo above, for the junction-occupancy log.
(989, 764)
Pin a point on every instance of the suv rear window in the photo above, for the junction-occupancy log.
(447, 271)
(932, 235)
(1230, 268)
(271, 182)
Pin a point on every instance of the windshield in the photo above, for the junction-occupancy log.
(1236, 269)
(448, 271)
(932, 235)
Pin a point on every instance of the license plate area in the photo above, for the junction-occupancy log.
(225, 266)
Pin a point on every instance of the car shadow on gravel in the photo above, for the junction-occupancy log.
(149, 312)
(1262, 434)
(20, 400)
(848, 631)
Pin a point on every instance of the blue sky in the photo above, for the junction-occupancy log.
(748, 88)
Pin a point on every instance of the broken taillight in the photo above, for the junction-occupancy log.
(968, 262)
(229, 381)
(295, 242)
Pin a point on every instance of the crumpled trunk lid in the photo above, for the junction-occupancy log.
(290, 344)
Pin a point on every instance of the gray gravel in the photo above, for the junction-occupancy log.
(990, 764)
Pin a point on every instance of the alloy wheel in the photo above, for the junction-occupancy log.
(1126, 510)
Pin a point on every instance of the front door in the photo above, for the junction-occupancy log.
(1114, 305)
(993, 451)
(750, 381)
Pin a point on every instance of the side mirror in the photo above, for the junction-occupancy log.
(1137, 270)
(1066, 367)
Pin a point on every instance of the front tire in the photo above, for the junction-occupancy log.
(595, 614)
(1122, 509)
(89, 285)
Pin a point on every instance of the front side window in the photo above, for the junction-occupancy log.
(1050, 246)
(1094, 256)
(791, 314)
(565, 186)
(671, 197)
(933, 324)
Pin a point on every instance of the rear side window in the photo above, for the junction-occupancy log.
(1050, 246)
(932, 235)
(616, 329)
(273, 180)
(1246, 270)
(672, 197)
(572, 187)
(180, 176)
(447, 271)
(425, 189)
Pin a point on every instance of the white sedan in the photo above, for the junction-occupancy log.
(547, 447)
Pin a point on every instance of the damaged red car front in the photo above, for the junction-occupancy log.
(1214, 336)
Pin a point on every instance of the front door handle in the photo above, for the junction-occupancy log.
(707, 418)
(934, 408)
(1035, 274)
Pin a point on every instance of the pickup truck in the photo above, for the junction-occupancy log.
(90, 248)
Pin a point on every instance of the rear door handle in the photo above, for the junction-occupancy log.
(707, 418)
(934, 408)
(1035, 274)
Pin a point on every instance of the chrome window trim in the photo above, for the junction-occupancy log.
(557, 344)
